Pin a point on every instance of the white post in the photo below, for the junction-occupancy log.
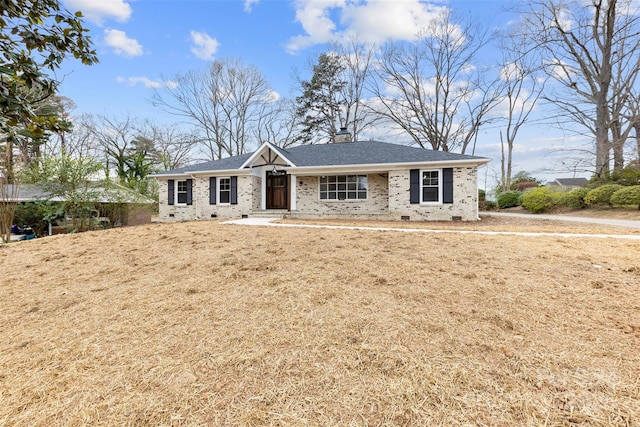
(263, 192)
(293, 192)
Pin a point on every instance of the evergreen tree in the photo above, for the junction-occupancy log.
(319, 108)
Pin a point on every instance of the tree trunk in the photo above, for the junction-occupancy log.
(8, 162)
(617, 144)
(603, 147)
(636, 126)
(6, 220)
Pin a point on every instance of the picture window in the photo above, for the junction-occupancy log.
(343, 187)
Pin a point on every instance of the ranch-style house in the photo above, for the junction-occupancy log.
(364, 179)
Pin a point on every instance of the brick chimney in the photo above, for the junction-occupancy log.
(342, 136)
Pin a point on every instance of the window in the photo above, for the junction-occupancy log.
(343, 187)
(181, 193)
(431, 188)
(224, 191)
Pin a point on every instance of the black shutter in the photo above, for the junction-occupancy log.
(212, 190)
(447, 185)
(414, 186)
(234, 190)
(189, 192)
(171, 196)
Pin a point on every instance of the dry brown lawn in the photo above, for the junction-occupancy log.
(488, 223)
(204, 323)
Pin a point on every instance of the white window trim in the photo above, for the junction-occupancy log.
(439, 202)
(347, 200)
(218, 182)
(176, 192)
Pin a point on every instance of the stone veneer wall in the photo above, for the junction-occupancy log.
(388, 198)
(465, 198)
(201, 209)
(180, 213)
(257, 192)
(308, 201)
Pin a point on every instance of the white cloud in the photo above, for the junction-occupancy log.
(204, 45)
(369, 20)
(381, 20)
(99, 10)
(272, 96)
(314, 16)
(121, 44)
(147, 82)
(248, 5)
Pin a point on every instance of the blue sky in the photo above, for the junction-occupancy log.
(140, 42)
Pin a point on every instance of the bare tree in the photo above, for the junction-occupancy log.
(592, 51)
(625, 103)
(523, 87)
(277, 123)
(358, 60)
(223, 102)
(433, 89)
(171, 148)
(80, 141)
(116, 137)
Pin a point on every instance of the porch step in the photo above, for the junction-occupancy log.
(271, 213)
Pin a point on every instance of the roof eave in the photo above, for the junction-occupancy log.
(371, 167)
(384, 167)
(212, 172)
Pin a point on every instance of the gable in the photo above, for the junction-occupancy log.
(267, 155)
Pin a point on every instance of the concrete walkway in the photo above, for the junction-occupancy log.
(269, 222)
(602, 221)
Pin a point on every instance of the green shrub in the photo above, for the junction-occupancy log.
(539, 199)
(601, 195)
(627, 196)
(32, 214)
(486, 205)
(573, 199)
(509, 199)
(629, 175)
(482, 195)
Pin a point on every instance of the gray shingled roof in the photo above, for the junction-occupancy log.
(25, 192)
(216, 165)
(98, 193)
(342, 154)
(365, 153)
(572, 181)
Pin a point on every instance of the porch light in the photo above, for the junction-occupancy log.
(277, 172)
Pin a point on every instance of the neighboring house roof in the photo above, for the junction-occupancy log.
(26, 192)
(337, 154)
(100, 193)
(571, 182)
